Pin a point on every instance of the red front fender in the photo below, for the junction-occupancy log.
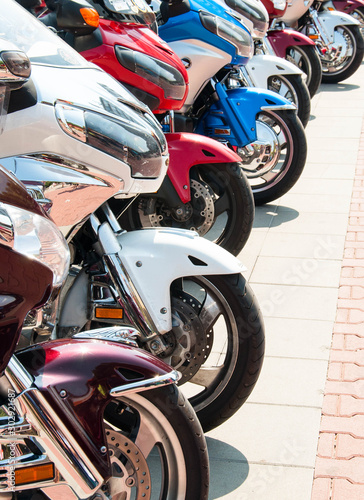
(282, 39)
(348, 6)
(187, 150)
(76, 376)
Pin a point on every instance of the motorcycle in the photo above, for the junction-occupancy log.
(292, 45)
(205, 189)
(259, 125)
(265, 69)
(337, 36)
(101, 427)
(353, 7)
(202, 318)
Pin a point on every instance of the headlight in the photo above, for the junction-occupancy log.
(279, 4)
(230, 32)
(153, 70)
(134, 142)
(35, 236)
(255, 12)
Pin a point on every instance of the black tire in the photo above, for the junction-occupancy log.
(358, 14)
(217, 343)
(277, 166)
(221, 192)
(293, 88)
(307, 59)
(351, 63)
(162, 425)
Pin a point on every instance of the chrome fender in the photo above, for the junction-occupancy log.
(261, 67)
(331, 19)
(154, 258)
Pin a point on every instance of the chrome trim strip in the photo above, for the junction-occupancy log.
(143, 385)
(120, 334)
(279, 107)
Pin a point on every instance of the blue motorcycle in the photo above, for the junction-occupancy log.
(260, 125)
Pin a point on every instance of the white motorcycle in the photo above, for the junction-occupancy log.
(337, 35)
(78, 139)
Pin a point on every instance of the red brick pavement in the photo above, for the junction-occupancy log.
(339, 472)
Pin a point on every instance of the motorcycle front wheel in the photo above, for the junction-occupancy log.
(216, 343)
(293, 88)
(275, 161)
(358, 14)
(221, 207)
(156, 446)
(348, 56)
(307, 59)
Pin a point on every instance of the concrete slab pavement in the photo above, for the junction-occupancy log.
(295, 258)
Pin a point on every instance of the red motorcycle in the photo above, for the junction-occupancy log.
(293, 45)
(83, 426)
(205, 189)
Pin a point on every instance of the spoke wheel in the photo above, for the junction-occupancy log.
(307, 59)
(274, 162)
(345, 55)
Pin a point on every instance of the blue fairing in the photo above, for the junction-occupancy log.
(236, 112)
(188, 26)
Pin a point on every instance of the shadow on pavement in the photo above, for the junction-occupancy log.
(343, 87)
(273, 215)
(229, 468)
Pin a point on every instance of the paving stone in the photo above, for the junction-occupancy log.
(326, 445)
(350, 425)
(352, 469)
(330, 405)
(321, 488)
(350, 388)
(348, 446)
(350, 405)
(342, 489)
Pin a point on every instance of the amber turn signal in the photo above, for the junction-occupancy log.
(109, 313)
(34, 474)
(90, 16)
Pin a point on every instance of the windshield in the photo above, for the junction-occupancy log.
(38, 42)
(132, 11)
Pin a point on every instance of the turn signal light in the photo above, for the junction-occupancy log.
(34, 474)
(109, 313)
(313, 37)
(90, 16)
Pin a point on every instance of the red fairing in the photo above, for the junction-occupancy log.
(282, 39)
(348, 6)
(272, 10)
(187, 150)
(141, 39)
(87, 370)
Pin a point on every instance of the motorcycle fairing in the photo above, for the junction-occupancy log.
(233, 116)
(347, 5)
(187, 150)
(261, 67)
(330, 19)
(166, 255)
(281, 39)
(87, 370)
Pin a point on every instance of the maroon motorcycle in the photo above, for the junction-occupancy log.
(91, 414)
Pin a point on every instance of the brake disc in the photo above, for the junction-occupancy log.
(197, 215)
(130, 471)
(189, 343)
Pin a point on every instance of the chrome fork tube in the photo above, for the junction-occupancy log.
(133, 304)
(319, 27)
(51, 432)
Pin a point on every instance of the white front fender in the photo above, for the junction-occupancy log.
(154, 258)
(333, 18)
(261, 67)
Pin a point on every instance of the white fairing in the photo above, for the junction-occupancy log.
(330, 19)
(164, 255)
(261, 67)
(204, 62)
(295, 10)
(36, 130)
